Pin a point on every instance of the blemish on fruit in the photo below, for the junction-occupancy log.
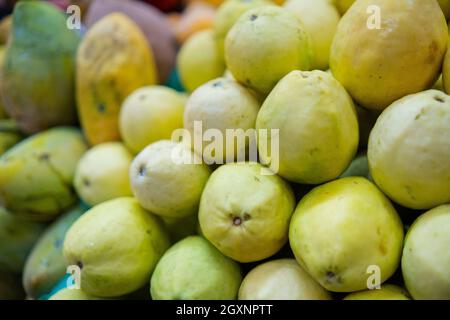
(237, 221)
(142, 170)
(253, 17)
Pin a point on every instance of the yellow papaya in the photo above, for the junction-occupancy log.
(113, 60)
(37, 84)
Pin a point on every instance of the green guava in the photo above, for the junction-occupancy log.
(386, 292)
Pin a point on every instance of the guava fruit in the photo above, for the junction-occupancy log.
(72, 294)
(180, 228)
(320, 19)
(426, 258)
(409, 148)
(45, 264)
(245, 211)
(264, 45)
(281, 279)
(102, 173)
(199, 60)
(193, 269)
(113, 60)
(342, 230)
(17, 237)
(167, 178)
(227, 15)
(116, 244)
(10, 287)
(150, 114)
(387, 292)
(152, 22)
(9, 134)
(318, 127)
(37, 79)
(36, 175)
(403, 55)
(359, 167)
(222, 104)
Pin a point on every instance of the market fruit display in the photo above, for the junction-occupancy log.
(425, 268)
(281, 279)
(193, 269)
(378, 75)
(104, 80)
(39, 58)
(370, 233)
(414, 128)
(318, 127)
(244, 150)
(265, 44)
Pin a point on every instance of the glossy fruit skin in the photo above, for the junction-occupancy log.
(404, 56)
(37, 81)
(105, 80)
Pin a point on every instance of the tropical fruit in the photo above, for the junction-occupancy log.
(386, 292)
(72, 294)
(281, 279)
(225, 106)
(403, 55)
(167, 178)
(264, 45)
(409, 150)
(45, 264)
(227, 15)
(150, 114)
(245, 211)
(370, 235)
(318, 127)
(37, 78)
(426, 258)
(193, 269)
(17, 237)
(116, 245)
(113, 60)
(9, 134)
(199, 60)
(36, 175)
(102, 173)
(320, 19)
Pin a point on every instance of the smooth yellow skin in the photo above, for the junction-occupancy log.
(320, 19)
(264, 45)
(113, 60)
(193, 269)
(72, 294)
(168, 178)
(199, 60)
(282, 279)
(409, 150)
(102, 173)
(426, 258)
(244, 212)
(341, 228)
(221, 104)
(227, 15)
(117, 245)
(318, 127)
(404, 56)
(387, 292)
(150, 114)
(36, 175)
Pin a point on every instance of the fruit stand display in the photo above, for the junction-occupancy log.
(222, 150)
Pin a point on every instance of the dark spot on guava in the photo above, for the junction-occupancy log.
(439, 99)
(247, 217)
(217, 84)
(80, 264)
(382, 248)
(142, 97)
(148, 231)
(86, 182)
(304, 75)
(142, 170)
(44, 157)
(253, 17)
(247, 81)
(237, 221)
(330, 275)
(101, 107)
(256, 179)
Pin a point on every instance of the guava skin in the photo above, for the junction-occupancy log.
(387, 292)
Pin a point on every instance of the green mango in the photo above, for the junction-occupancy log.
(17, 237)
(10, 287)
(38, 73)
(36, 175)
(46, 265)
